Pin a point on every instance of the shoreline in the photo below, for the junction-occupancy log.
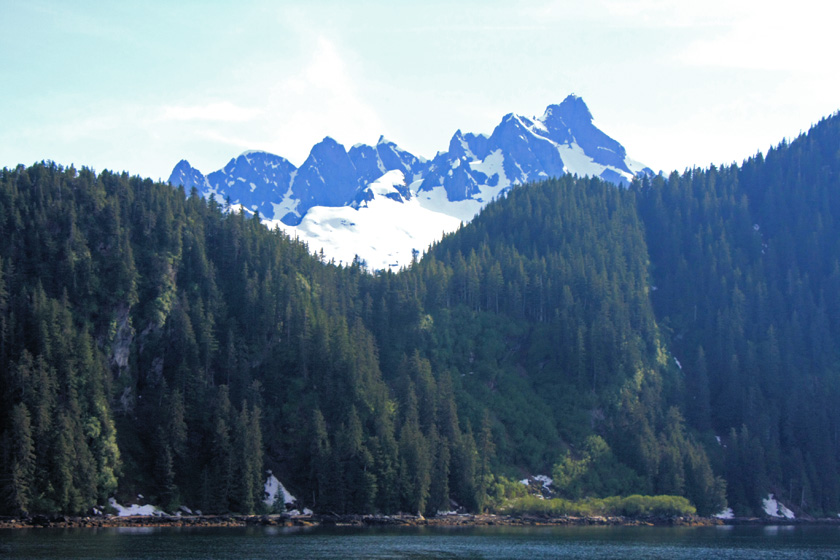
(316, 520)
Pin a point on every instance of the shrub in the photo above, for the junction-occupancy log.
(630, 506)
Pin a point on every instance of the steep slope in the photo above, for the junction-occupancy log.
(256, 180)
(151, 340)
(541, 304)
(189, 177)
(373, 161)
(757, 243)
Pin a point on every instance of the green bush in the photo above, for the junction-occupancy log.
(630, 506)
(502, 490)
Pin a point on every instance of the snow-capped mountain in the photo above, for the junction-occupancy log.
(383, 203)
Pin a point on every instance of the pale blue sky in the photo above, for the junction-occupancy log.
(137, 86)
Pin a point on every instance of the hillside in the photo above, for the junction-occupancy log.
(670, 338)
(747, 265)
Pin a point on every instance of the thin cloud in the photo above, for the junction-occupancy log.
(223, 111)
(321, 99)
(788, 39)
(283, 105)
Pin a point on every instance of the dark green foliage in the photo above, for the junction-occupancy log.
(745, 259)
(151, 342)
(248, 460)
(540, 307)
(222, 348)
(596, 473)
(19, 461)
(415, 454)
(439, 486)
(221, 466)
(631, 506)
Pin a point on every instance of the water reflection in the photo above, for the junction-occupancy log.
(535, 543)
(135, 530)
(776, 529)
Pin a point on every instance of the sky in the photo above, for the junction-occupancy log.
(138, 86)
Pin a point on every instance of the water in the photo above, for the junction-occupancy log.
(803, 542)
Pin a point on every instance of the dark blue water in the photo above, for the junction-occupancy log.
(423, 543)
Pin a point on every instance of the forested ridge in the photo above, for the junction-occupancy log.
(746, 260)
(670, 338)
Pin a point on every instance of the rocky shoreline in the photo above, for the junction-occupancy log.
(459, 520)
(456, 520)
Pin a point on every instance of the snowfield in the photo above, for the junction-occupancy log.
(382, 231)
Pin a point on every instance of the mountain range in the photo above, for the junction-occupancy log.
(387, 205)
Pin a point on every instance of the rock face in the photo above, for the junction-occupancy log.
(456, 183)
(188, 176)
(326, 178)
(123, 337)
(259, 181)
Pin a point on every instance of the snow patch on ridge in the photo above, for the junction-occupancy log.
(134, 509)
(274, 489)
(545, 480)
(725, 514)
(387, 184)
(577, 162)
(774, 508)
(492, 165)
(435, 200)
(636, 167)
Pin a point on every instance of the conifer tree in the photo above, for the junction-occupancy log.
(19, 462)
(415, 466)
(222, 466)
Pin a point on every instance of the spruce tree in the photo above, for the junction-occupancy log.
(19, 462)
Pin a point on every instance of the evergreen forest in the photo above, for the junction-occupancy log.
(672, 338)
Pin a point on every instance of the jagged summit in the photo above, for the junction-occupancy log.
(325, 147)
(572, 109)
(327, 177)
(185, 174)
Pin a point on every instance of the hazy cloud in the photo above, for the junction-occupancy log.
(223, 111)
(801, 37)
(320, 99)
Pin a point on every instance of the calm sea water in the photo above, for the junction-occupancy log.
(422, 543)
